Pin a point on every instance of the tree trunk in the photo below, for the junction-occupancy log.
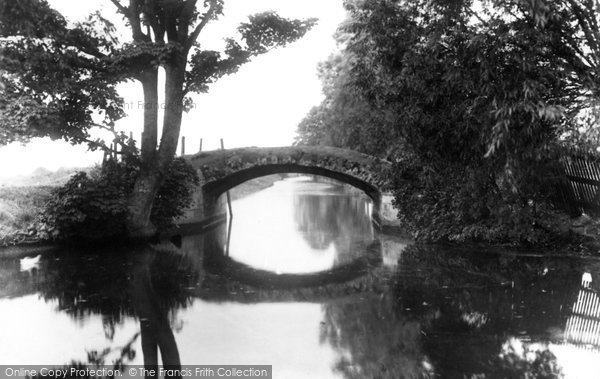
(140, 204)
(148, 180)
(155, 164)
(172, 116)
(150, 132)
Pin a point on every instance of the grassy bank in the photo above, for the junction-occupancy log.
(22, 199)
(19, 211)
(21, 205)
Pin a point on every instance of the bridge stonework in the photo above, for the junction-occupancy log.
(221, 170)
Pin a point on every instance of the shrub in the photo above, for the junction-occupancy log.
(175, 195)
(454, 202)
(94, 206)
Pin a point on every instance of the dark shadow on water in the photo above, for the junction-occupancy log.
(447, 314)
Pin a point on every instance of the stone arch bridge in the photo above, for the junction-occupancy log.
(221, 170)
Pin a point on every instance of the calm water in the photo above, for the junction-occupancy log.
(302, 281)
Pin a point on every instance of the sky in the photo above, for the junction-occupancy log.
(260, 105)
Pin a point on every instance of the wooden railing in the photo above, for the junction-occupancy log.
(583, 174)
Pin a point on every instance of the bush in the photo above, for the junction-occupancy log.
(94, 206)
(454, 202)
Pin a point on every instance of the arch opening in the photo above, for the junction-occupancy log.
(215, 188)
(296, 223)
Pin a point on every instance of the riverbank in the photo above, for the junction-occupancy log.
(21, 207)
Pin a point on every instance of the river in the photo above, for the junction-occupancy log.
(301, 280)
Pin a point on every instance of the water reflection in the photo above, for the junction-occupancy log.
(109, 288)
(451, 315)
(390, 310)
(583, 325)
(330, 226)
(219, 263)
(152, 310)
(437, 313)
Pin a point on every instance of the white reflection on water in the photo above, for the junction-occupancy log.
(34, 332)
(285, 335)
(326, 223)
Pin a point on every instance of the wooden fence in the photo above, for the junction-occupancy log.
(583, 174)
(115, 151)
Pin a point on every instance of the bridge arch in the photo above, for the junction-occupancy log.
(220, 186)
(221, 170)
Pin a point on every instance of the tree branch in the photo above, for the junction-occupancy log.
(117, 135)
(100, 145)
(155, 23)
(205, 19)
(585, 27)
(136, 25)
(134, 19)
(472, 13)
(121, 8)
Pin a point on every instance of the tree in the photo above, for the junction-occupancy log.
(477, 96)
(60, 81)
(345, 118)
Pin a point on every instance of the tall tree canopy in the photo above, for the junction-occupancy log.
(59, 80)
(475, 93)
(444, 72)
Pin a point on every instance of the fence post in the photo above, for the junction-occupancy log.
(182, 145)
(200, 145)
(228, 194)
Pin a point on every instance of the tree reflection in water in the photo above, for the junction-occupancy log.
(439, 313)
(456, 315)
(335, 218)
(374, 341)
(145, 282)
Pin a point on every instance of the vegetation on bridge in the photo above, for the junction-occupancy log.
(473, 101)
(369, 172)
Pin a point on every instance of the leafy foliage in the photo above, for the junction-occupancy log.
(470, 99)
(345, 118)
(465, 203)
(53, 77)
(175, 194)
(94, 206)
(59, 80)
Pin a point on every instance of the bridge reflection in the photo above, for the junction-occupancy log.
(218, 262)
(300, 226)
